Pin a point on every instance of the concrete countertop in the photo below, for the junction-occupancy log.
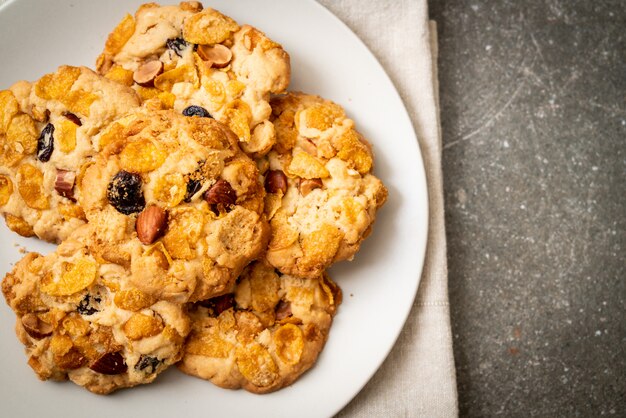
(533, 103)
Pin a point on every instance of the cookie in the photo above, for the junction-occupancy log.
(79, 320)
(183, 56)
(46, 134)
(322, 198)
(174, 198)
(264, 335)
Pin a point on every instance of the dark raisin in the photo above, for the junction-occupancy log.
(219, 304)
(178, 45)
(73, 118)
(45, 143)
(148, 364)
(110, 363)
(125, 194)
(197, 111)
(192, 188)
(89, 305)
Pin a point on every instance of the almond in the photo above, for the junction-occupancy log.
(275, 180)
(308, 185)
(151, 224)
(146, 73)
(220, 196)
(35, 327)
(218, 55)
(64, 183)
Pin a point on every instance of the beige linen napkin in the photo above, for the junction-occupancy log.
(418, 378)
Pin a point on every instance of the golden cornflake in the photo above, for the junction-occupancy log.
(184, 73)
(30, 187)
(256, 364)
(183, 233)
(57, 85)
(22, 135)
(75, 325)
(120, 35)
(237, 121)
(120, 74)
(319, 116)
(215, 90)
(306, 166)
(142, 326)
(208, 27)
(289, 343)
(352, 150)
(66, 135)
(142, 156)
(8, 109)
(19, 225)
(320, 247)
(170, 189)
(75, 278)
(6, 189)
(60, 344)
(133, 300)
(209, 346)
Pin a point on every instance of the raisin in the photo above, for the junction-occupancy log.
(75, 119)
(219, 304)
(149, 363)
(178, 45)
(192, 188)
(45, 143)
(125, 194)
(110, 363)
(197, 111)
(89, 305)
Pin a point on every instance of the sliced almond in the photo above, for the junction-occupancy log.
(308, 185)
(218, 55)
(151, 224)
(35, 327)
(73, 118)
(146, 73)
(64, 183)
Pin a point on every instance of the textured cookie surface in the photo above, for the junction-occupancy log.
(322, 198)
(46, 134)
(181, 56)
(175, 199)
(264, 335)
(79, 319)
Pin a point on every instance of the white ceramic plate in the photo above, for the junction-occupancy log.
(379, 285)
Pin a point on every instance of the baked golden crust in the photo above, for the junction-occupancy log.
(79, 318)
(47, 129)
(175, 199)
(264, 335)
(326, 199)
(179, 56)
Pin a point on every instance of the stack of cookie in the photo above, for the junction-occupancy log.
(197, 205)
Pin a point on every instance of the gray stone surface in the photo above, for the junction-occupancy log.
(533, 97)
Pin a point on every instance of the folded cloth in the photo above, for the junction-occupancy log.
(418, 378)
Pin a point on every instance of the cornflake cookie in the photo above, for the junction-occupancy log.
(79, 319)
(265, 335)
(322, 199)
(182, 56)
(46, 133)
(173, 198)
